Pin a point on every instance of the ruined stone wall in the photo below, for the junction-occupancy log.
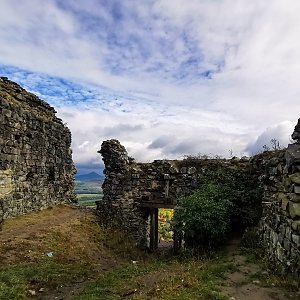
(36, 167)
(280, 223)
(130, 189)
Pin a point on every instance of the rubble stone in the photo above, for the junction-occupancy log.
(129, 187)
(36, 167)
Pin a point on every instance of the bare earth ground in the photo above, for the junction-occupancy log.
(31, 237)
(70, 235)
(250, 280)
(62, 230)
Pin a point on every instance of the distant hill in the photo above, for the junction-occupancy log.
(93, 176)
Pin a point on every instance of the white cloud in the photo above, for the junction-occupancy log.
(83, 145)
(209, 75)
(281, 133)
(150, 133)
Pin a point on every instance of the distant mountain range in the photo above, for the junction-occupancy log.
(93, 176)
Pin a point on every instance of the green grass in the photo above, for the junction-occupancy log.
(88, 192)
(265, 278)
(87, 187)
(189, 275)
(16, 280)
(168, 279)
(89, 199)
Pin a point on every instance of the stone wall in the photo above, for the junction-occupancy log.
(280, 223)
(274, 176)
(36, 167)
(132, 189)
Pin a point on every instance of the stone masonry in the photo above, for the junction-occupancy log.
(131, 189)
(36, 167)
(280, 223)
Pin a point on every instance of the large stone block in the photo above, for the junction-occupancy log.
(296, 240)
(292, 154)
(295, 178)
(286, 182)
(280, 252)
(294, 197)
(294, 210)
(283, 199)
(296, 226)
(6, 184)
(297, 189)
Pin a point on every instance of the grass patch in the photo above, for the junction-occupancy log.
(166, 278)
(89, 199)
(265, 278)
(16, 280)
(102, 263)
(88, 187)
(79, 249)
(88, 241)
(118, 243)
(252, 255)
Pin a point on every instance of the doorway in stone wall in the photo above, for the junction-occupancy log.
(159, 226)
(165, 232)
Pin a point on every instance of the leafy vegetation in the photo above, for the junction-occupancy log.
(229, 199)
(203, 216)
(165, 217)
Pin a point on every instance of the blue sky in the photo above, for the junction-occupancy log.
(166, 78)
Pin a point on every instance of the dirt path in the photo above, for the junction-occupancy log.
(73, 236)
(251, 281)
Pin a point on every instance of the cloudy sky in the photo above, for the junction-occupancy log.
(166, 78)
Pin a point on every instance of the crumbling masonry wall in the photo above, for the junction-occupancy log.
(131, 189)
(36, 167)
(280, 223)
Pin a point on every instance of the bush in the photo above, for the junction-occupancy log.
(204, 217)
(243, 190)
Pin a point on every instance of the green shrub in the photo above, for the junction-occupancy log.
(244, 193)
(204, 217)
